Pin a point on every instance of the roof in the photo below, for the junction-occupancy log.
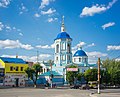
(63, 35)
(79, 53)
(49, 73)
(12, 60)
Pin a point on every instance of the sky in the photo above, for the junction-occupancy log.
(28, 26)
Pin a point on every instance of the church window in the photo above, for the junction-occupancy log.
(68, 48)
(79, 59)
(56, 58)
(85, 59)
(63, 46)
(57, 48)
(63, 57)
(68, 57)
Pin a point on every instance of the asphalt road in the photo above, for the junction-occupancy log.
(24, 92)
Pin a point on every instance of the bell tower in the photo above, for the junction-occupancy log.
(63, 53)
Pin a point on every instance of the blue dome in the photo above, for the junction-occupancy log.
(79, 53)
(63, 35)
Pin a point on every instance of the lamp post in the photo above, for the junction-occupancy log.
(98, 75)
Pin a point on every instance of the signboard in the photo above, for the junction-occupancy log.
(72, 69)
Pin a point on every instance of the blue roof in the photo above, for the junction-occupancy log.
(79, 53)
(12, 60)
(63, 35)
(49, 73)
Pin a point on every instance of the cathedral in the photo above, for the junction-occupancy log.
(63, 56)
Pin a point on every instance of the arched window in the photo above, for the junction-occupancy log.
(79, 59)
(57, 48)
(63, 46)
(68, 48)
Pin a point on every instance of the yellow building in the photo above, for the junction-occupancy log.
(14, 74)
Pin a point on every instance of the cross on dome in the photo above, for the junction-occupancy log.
(63, 26)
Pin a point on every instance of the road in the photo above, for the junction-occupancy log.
(25, 92)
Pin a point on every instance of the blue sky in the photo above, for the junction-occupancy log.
(30, 25)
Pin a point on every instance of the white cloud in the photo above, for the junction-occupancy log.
(52, 19)
(91, 45)
(22, 9)
(90, 11)
(45, 3)
(8, 28)
(45, 46)
(14, 28)
(26, 46)
(21, 34)
(96, 54)
(37, 15)
(31, 58)
(108, 25)
(4, 3)
(93, 56)
(83, 44)
(10, 44)
(80, 44)
(113, 47)
(1, 26)
(48, 12)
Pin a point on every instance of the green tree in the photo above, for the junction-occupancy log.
(91, 75)
(29, 72)
(113, 69)
(37, 69)
(71, 76)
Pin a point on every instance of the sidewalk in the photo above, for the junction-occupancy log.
(105, 95)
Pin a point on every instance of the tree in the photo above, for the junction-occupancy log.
(29, 72)
(80, 76)
(91, 75)
(71, 75)
(113, 69)
(37, 68)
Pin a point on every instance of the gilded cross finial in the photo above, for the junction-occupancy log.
(63, 27)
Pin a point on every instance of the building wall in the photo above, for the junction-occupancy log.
(14, 73)
(63, 56)
(2, 63)
(8, 67)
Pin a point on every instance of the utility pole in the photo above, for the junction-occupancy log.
(99, 75)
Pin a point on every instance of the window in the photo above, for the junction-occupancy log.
(68, 48)
(79, 59)
(57, 48)
(63, 46)
(56, 58)
(21, 68)
(68, 57)
(63, 57)
(11, 68)
(17, 68)
(85, 59)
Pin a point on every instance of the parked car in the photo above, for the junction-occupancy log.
(92, 84)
